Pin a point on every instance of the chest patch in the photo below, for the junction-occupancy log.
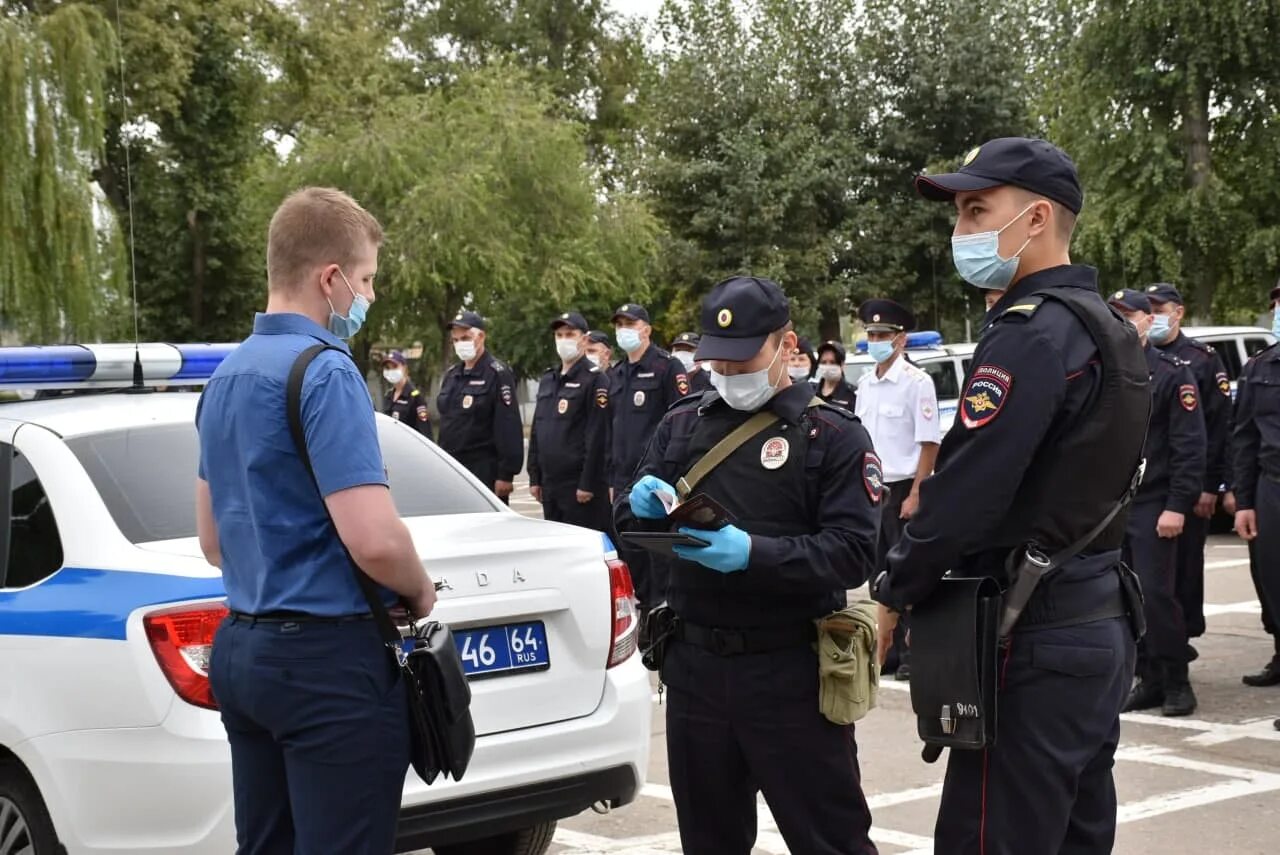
(873, 477)
(395, 414)
(1187, 395)
(1224, 384)
(774, 453)
(563, 406)
(985, 395)
(573, 385)
(638, 399)
(467, 401)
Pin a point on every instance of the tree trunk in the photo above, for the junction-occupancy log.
(1198, 267)
(199, 272)
(829, 323)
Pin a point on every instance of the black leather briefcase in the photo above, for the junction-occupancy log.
(444, 736)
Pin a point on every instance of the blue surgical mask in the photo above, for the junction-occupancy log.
(628, 339)
(347, 327)
(978, 261)
(881, 351)
(1159, 329)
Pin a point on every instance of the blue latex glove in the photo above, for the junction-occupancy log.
(727, 552)
(644, 504)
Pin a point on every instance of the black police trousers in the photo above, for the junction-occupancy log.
(742, 725)
(1045, 787)
(1154, 559)
(1190, 573)
(1267, 550)
(560, 504)
(1268, 622)
(891, 526)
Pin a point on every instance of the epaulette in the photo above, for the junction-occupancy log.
(694, 401)
(497, 364)
(1202, 346)
(836, 408)
(1169, 357)
(1023, 309)
(413, 394)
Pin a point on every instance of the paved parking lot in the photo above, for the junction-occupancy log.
(1209, 783)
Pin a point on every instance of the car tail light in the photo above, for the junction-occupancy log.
(182, 639)
(625, 623)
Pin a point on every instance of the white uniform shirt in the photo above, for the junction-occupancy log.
(900, 411)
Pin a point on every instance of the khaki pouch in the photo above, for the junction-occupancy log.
(848, 675)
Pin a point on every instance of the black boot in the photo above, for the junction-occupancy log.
(1147, 694)
(1179, 699)
(1268, 676)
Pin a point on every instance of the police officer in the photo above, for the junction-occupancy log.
(642, 388)
(898, 405)
(743, 715)
(403, 402)
(1175, 453)
(479, 416)
(599, 353)
(803, 363)
(683, 349)
(832, 387)
(570, 431)
(1256, 485)
(1214, 387)
(1048, 435)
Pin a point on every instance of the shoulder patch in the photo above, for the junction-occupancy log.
(985, 396)
(602, 397)
(873, 477)
(1224, 383)
(1187, 396)
(682, 384)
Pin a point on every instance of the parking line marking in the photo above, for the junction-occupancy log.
(1250, 607)
(1230, 562)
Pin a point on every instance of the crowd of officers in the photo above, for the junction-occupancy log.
(829, 496)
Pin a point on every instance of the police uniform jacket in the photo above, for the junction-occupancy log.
(806, 490)
(570, 429)
(1175, 448)
(1214, 387)
(479, 417)
(843, 395)
(699, 381)
(640, 393)
(1034, 455)
(409, 407)
(1256, 439)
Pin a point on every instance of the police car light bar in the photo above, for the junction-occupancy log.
(923, 338)
(106, 366)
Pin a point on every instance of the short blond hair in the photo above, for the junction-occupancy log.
(315, 226)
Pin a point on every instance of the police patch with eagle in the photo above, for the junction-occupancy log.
(985, 395)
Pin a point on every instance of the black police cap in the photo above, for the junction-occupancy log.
(1128, 298)
(1034, 165)
(395, 357)
(882, 315)
(803, 345)
(570, 319)
(597, 337)
(685, 339)
(836, 348)
(1163, 292)
(631, 312)
(738, 315)
(467, 320)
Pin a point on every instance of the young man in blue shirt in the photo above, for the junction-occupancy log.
(310, 697)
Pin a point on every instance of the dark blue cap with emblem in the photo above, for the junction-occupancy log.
(738, 315)
(1163, 292)
(882, 315)
(631, 312)
(1034, 165)
(570, 319)
(394, 357)
(685, 341)
(467, 320)
(836, 348)
(804, 346)
(1134, 301)
(598, 337)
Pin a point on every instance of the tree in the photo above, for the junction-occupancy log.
(59, 254)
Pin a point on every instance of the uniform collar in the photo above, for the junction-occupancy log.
(575, 369)
(291, 323)
(645, 360)
(1061, 276)
(893, 375)
(792, 401)
(481, 363)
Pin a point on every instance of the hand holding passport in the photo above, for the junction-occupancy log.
(699, 512)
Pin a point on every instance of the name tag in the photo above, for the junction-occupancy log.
(646, 374)
(573, 385)
(476, 383)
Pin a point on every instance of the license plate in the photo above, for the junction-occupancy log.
(497, 650)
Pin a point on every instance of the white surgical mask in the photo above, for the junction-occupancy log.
(393, 375)
(628, 339)
(466, 349)
(593, 359)
(746, 392)
(798, 373)
(686, 359)
(830, 372)
(567, 348)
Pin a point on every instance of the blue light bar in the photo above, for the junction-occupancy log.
(915, 340)
(105, 366)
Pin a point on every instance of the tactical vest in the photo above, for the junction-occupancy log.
(1085, 464)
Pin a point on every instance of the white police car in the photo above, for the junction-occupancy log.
(109, 736)
(945, 364)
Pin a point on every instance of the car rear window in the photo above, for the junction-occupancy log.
(142, 475)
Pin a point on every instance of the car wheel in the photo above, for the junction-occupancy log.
(527, 841)
(25, 827)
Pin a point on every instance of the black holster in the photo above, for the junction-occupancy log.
(1131, 590)
(659, 628)
(954, 646)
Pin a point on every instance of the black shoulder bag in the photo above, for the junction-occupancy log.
(437, 690)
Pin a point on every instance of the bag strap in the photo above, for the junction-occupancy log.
(293, 401)
(731, 443)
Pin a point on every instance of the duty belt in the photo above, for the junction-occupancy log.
(1060, 603)
(296, 617)
(735, 642)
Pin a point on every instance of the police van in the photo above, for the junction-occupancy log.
(946, 365)
(110, 738)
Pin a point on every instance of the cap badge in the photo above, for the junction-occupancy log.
(565, 316)
(724, 318)
(971, 156)
(1151, 289)
(1119, 295)
(774, 453)
(459, 317)
(875, 319)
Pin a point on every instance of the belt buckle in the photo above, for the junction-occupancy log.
(728, 643)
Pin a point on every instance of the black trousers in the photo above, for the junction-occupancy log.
(1154, 559)
(738, 726)
(891, 526)
(1268, 620)
(1190, 573)
(1264, 562)
(1045, 787)
(560, 504)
